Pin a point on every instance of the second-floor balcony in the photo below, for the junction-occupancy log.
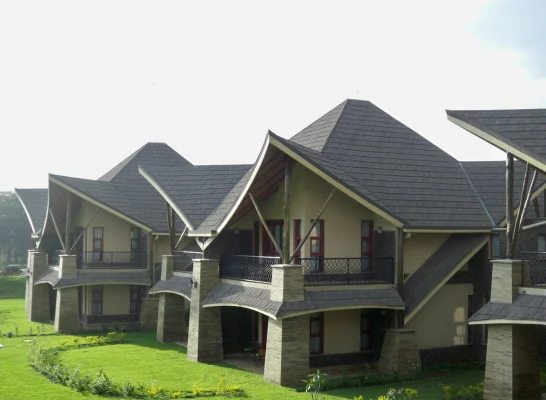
(316, 271)
(112, 259)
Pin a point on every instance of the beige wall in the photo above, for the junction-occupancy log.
(162, 247)
(419, 247)
(442, 321)
(342, 216)
(115, 299)
(342, 331)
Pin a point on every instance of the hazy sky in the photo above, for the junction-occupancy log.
(84, 84)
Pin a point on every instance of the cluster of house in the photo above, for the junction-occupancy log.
(355, 240)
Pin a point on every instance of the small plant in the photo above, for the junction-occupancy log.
(396, 394)
(472, 392)
(314, 384)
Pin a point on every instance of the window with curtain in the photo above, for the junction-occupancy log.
(96, 299)
(135, 299)
(98, 244)
(297, 239)
(316, 335)
(317, 247)
(366, 245)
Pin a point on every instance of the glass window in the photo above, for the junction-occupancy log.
(297, 238)
(96, 299)
(366, 246)
(494, 246)
(317, 247)
(316, 334)
(276, 228)
(135, 299)
(541, 243)
(365, 331)
(98, 244)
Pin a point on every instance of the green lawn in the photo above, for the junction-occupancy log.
(144, 360)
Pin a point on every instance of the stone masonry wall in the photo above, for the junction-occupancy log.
(67, 319)
(149, 313)
(171, 323)
(287, 283)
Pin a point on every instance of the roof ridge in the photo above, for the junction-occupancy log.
(335, 125)
(477, 194)
(113, 172)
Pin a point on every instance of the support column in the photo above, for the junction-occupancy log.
(205, 329)
(67, 319)
(287, 350)
(171, 323)
(37, 296)
(400, 353)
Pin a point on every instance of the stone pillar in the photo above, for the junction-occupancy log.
(37, 296)
(148, 314)
(512, 369)
(287, 283)
(67, 319)
(171, 323)
(205, 330)
(167, 267)
(287, 351)
(400, 353)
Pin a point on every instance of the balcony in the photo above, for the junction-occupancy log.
(316, 272)
(534, 268)
(112, 259)
(183, 260)
(347, 271)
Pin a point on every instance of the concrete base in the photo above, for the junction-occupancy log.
(287, 355)
(149, 314)
(512, 369)
(400, 353)
(171, 321)
(67, 319)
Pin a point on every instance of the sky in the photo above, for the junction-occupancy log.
(84, 84)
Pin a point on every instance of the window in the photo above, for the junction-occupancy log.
(365, 331)
(297, 239)
(276, 227)
(317, 247)
(98, 244)
(96, 299)
(136, 244)
(541, 243)
(135, 299)
(256, 239)
(366, 244)
(316, 335)
(494, 246)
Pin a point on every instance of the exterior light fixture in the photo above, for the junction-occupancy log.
(379, 230)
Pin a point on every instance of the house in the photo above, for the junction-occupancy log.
(357, 239)
(98, 244)
(515, 316)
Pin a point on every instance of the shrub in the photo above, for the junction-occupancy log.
(396, 394)
(472, 392)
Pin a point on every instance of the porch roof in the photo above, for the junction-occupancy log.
(174, 284)
(34, 202)
(96, 278)
(258, 299)
(50, 276)
(526, 307)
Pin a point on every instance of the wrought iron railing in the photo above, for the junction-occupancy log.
(183, 260)
(534, 268)
(248, 268)
(112, 259)
(347, 271)
(54, 257)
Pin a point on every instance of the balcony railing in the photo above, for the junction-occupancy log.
(534, 268)
(183, 260)
(112, 259)
(347, 271)
(248, 268)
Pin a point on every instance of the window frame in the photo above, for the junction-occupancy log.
(369, 239)
(266, 241)
(136, 302)
(297, 240)
(492, 238)
(318, 255)
(320, 318)
(368, 331)
(543, 236)
(99, 290)
(98, 252)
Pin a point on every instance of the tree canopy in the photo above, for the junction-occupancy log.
(14, 230)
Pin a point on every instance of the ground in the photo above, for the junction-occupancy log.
(145, 360)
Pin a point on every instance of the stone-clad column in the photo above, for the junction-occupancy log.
(400, 353)
(171, 321)
(287, 350)
(67, 319)
(37, 296)
(205, 329)
(512, 368)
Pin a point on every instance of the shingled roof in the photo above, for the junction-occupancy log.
(520, 132)
(34, 202)
(125, 190)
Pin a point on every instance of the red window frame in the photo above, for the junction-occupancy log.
(297, 239)
(317, 317)
(268, 249)
(318, 254)
(368, 331)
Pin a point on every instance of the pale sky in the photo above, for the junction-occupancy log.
(84, 84)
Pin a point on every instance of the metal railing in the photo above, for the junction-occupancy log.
(534, 268)
(347, 271)
(112, 259)
(54, 257)
(248, 268)
(183, 260)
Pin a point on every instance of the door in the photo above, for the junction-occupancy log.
(277, 228)
(98, 244)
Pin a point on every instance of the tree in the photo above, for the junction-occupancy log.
(14, 229)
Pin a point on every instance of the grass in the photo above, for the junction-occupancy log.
(144, 360)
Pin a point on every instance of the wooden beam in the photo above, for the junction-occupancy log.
(536, 205)
(521, 201)
(181, 237)
(84, 229)
(173, 236)
(524, 211)
(509, 203)
(262, 220)
(57, 229)
(67, 222)
(286, 236)
(535, 225)
(304, 239)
